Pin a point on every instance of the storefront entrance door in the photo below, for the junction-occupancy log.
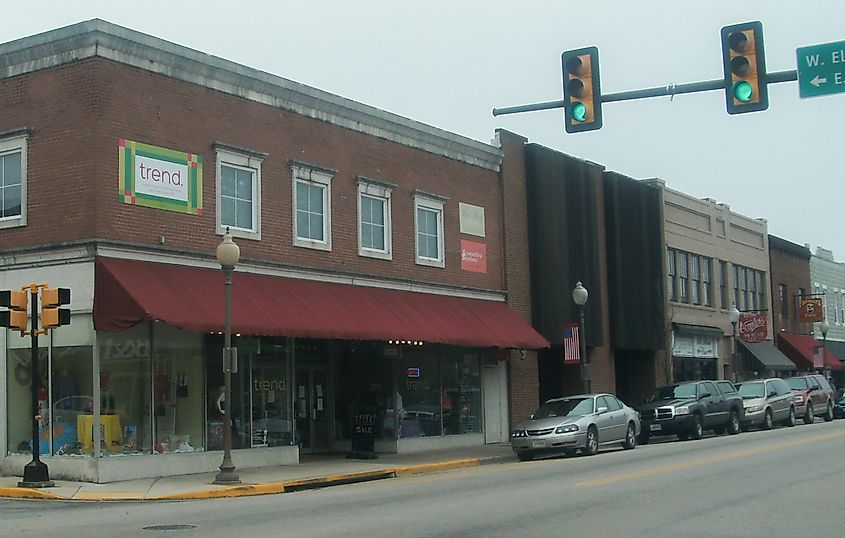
(312, 408)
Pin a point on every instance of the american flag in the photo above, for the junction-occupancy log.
(571, 344)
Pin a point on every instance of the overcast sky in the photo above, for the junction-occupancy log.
(448, 63)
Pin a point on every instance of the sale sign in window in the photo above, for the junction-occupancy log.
(162, 178)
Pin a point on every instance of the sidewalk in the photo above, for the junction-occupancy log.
(314, 471)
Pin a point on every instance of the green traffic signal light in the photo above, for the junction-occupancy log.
(579, 112)
(743, 91)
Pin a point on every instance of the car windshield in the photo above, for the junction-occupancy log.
(797, 383)
(751, 390)
(565, 408)
(673, 392)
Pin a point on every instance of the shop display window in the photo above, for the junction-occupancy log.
(18, 390)
(125, 394)
(462, 391)
(269, 391)
(421, 412)
(177, 380)
(71, 391)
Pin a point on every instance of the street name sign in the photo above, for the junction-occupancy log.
(821, 69)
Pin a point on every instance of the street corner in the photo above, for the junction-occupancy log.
(28, 493)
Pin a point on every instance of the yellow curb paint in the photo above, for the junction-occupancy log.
(116, 496)
(705, 461)
(441, 466)
(28, 493)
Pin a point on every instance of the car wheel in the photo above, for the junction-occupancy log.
(809, 417)
(569, 451)
(644, 438)
(734, 426)
(697, 431)
(767, 420)
(828, 414)
(790, 419)
(525, 456)
(592, 444)
(630, 437)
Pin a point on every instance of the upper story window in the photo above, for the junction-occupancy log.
(784, 301)
(312, 197)
(239, 190)
(374, 218)
(689, 278)
(671, 274)
(428, 217)
(13, 178)
(683, 276)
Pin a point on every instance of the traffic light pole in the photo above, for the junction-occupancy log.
(35, 473)
(670, 89)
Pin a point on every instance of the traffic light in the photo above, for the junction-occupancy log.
(745, 68)
(581, 90)
(15, 317)
(51, 315)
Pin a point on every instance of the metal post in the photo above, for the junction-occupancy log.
(35, 473)
(227, 474)
(585, 363)
(733, 352)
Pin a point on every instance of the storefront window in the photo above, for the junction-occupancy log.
(177, 390)
(461, 392)
(418, 375)
(19, 390)
(126, 424)
(269, 391)
(215, 400)
(72, 398)
(363, 375)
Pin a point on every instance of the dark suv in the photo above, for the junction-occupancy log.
(814, 397)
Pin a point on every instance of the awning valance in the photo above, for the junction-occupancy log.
(800, 348)
(769, 356)
(128, 292)
(697, 330)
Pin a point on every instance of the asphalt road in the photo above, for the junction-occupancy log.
(784, 482)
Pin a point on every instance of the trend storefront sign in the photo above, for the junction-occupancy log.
(161, 178)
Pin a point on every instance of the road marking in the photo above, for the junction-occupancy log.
(705, 461)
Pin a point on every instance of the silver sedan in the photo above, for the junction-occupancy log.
(585, 422)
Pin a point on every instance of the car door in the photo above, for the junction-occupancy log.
(777, 400)
(618, 417)
(604, 421)
(714, 404)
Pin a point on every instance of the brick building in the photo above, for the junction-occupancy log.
(373, 264)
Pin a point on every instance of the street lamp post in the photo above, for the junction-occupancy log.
(824, 327)
(228, 254)
(733, 316)
(580, 295)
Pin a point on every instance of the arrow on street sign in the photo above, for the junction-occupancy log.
(821, 69)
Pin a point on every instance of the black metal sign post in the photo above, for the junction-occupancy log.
(35, 473)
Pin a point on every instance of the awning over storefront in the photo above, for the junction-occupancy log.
(697, 330)
(128, 292)
(799, 348)
(769, 356)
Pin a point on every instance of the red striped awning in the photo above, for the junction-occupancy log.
(127, 292)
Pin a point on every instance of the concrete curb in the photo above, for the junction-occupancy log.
(247, 490)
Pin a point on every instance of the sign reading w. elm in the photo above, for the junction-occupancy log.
(753, 327)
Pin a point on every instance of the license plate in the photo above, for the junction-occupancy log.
(654, 427)
(538, 444)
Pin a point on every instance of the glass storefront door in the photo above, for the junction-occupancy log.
(312, 408)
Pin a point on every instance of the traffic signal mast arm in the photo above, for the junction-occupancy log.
(660, 91)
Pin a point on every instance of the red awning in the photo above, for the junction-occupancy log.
(800, 348)
(128, 292)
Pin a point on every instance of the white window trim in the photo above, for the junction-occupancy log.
(244, 160)
(432, 203)
(384, 191)
(12, 144)
(308, 174)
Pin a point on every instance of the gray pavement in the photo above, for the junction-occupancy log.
(313, 471)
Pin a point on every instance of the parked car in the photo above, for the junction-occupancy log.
(585, 422)
(688, 409)
(813, 397)
(767, 401)
(839, 404)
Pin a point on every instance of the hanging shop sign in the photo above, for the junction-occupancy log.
(810, 309)
(753, 327)
(161, 178)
